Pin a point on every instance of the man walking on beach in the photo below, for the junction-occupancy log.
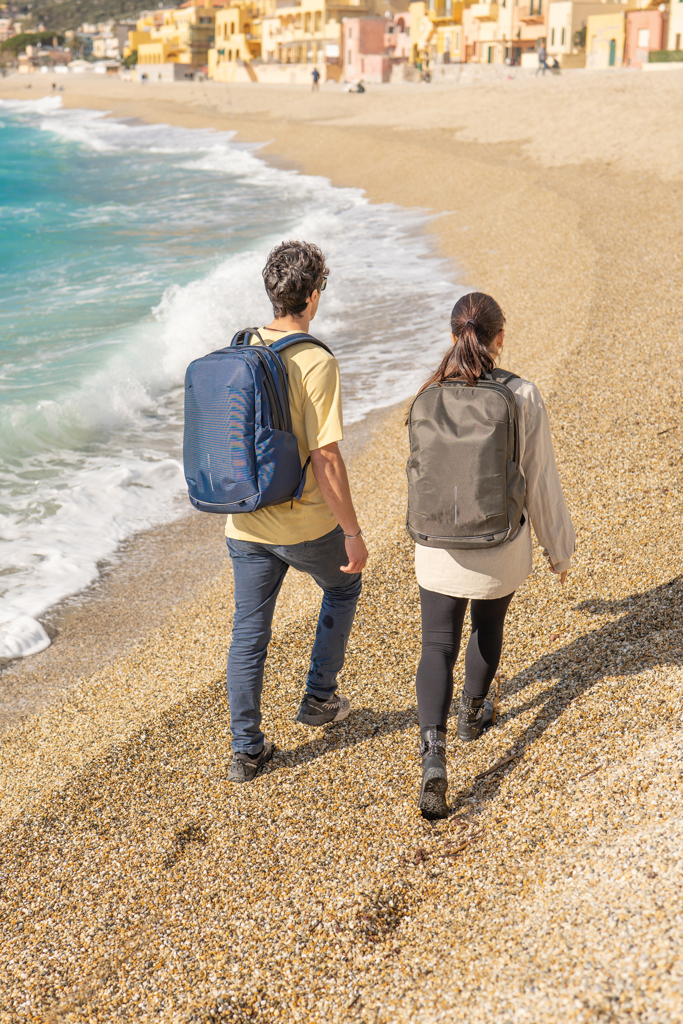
(315, 75)
(542, 60)
(318, 535)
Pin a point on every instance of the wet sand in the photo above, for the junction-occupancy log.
(138, 885)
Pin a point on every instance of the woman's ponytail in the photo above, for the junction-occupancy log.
(476, 321)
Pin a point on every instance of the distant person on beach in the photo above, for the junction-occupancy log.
(481, 471)
(542, 60)
(318, 535)
(315, 75)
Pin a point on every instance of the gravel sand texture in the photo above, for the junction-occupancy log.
(138, 885)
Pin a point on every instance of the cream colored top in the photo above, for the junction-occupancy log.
(316, 408)
(490, 573)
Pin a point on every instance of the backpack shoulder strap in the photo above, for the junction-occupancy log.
(295, 339)
(503, 376)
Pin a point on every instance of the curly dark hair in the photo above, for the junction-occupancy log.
(293, 271)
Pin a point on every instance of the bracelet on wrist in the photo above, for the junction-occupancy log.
(353, 536)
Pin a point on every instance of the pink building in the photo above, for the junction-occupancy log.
(397, 38)
(645, 31)
(363, 50)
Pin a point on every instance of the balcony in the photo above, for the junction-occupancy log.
(531, 14)
(484, 12)
(450, 12)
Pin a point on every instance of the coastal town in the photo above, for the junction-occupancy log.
(155, 161)
(371, 41)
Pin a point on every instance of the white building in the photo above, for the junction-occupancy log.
(675, 25)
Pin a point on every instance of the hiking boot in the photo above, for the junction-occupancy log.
(245, 768)
(432, 800)
(313, 711)
(475, 715)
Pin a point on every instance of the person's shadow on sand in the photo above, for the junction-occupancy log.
(627, 646)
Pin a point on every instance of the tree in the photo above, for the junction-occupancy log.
(16, 44)
(579, 38)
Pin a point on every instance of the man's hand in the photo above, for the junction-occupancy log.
(357, 554)
(562, 575)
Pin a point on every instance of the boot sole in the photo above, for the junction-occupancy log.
(432, 801)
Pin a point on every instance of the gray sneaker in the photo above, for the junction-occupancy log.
(245, 768)
(313, 711)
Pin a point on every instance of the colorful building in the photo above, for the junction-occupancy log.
(286, 39)
(237, 42)
(675, 27)
(605, 39)
(645, 31)
(397, 38)
(363, 50)
(436, 32)
(185, 35)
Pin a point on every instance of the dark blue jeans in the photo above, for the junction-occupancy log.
(259, 570)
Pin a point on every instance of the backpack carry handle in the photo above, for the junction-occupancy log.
(241, 337)
(502, 376)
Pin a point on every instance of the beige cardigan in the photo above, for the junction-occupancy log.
(495, 572)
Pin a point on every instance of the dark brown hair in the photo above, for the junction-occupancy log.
(293, 271)
(476, 321)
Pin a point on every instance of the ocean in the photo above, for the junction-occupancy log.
(127, 250)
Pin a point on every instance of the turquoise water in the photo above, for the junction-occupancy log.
(127, 250)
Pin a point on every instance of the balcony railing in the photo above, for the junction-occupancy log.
(531, 14)
(484, 12)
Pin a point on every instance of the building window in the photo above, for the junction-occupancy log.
(350, 33)
(349, 57)
(552, 36)
(562, 37)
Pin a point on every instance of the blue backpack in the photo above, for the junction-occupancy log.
(239, 451)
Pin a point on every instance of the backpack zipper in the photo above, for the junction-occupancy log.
(492, 385)
(281, 419)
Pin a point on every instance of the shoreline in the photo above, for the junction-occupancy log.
(158, 892)
(138, 590)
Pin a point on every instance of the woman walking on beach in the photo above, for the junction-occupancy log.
(481, 468)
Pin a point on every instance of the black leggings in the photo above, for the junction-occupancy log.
(442, 619)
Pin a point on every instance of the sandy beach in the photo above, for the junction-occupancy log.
(137, 885)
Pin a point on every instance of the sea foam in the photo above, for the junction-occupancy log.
(95, 461)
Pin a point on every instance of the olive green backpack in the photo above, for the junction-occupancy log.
(466, 487)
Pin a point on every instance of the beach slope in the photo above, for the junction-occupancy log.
(138, 885)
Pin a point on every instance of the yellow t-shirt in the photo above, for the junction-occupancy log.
(315, 405)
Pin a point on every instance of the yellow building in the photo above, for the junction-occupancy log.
(237, 38)
(184, 37)
(290, 37)
(605, 39)
(436, 31)
(144, 27)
